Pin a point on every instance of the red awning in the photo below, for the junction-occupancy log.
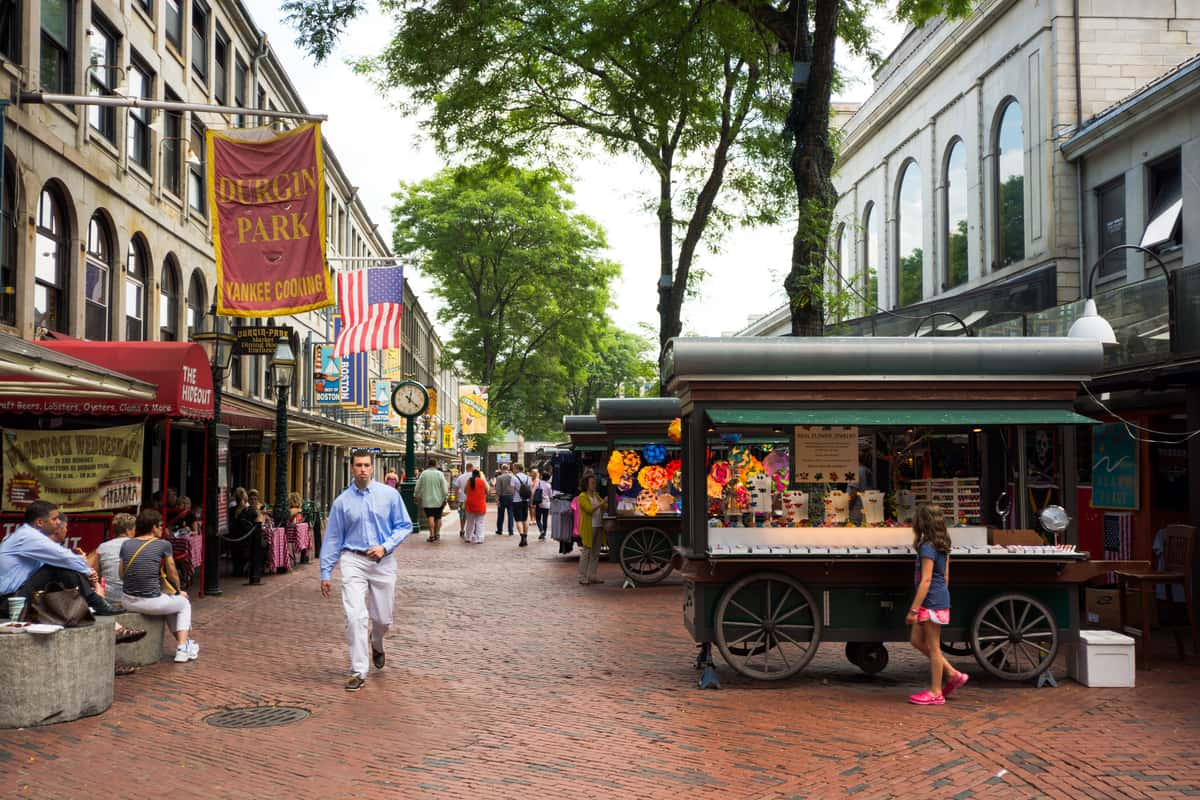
(180, 370)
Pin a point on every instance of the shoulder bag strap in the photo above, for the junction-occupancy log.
(136, 553)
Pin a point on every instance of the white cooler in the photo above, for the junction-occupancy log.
(1104, 659)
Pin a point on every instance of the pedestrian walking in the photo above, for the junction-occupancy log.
(475, 501)
(431, 491)
(460, 495)
(366, 524)
(591, 529)
(505, 486)
(540, 502)
(391, 478)
(930, 608)
(520, 503)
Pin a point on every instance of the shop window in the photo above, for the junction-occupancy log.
(174, 25)
(1009, 147)
(200, 40)
(870, 275)
(909, 223)
(168, 302)
(221, 67)
(197, 197)
(241, 79)
(141, 85)
(51, 285)
(58, 49)
(10, 30)
(8, 255)
(1164, 230)
(103, 73)
(137, 264)
(97, 273)
(172, 147)
(954, 235)
(1110, 205)
(147, 6)
(196, 301)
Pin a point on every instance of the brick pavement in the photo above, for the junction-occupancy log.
(506, 679)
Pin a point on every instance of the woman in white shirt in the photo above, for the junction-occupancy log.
(540, 502)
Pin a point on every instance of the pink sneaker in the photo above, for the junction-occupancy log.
(927, 698)
(955, 683)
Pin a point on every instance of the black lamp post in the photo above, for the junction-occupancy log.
(218, 344)
(283, 369)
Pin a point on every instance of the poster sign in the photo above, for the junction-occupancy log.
(447, 437)
(87, 470)
(825, 454)
(1114, 468)
(327, 374)
(381, 394)
(390, 366)
(472, 409)
(431, 409)
(259, 340)
(267, 203)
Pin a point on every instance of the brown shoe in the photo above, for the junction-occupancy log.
(354, 682)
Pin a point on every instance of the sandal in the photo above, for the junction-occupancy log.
(125, 669)
(126, 635)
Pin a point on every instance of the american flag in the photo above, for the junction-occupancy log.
(1118, 539)
(371, 302)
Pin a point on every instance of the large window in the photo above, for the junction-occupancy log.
(168, 301)
(146, 6)
(58, 52)
(173, 27)
(10, 30)
(1010, 187)
(195, 301)
(8, 256)
(141, 84)
(1110, 202)
(910, 219)
(50, 287)
(241, 79)
(137, 270)
(200, 40)
(197, 197)
(172, 147)
(97, 274)
(103, 73)
(1164, 226)
(221, 67)
(955, 234)
(870, 274)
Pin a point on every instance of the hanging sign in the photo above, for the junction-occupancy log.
(825, 454)
(381, 394)
(259, 340)
(327, 374)
(87, 470)
(472, 409)
(447, 437)
(1114, 468)
(267, 203)
(431, 409)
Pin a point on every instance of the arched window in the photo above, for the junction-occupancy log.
(195, 301)
(8, 256)
(1010, 186)
(910, 219)
(50, 286)
(870, 273)
(136, 273)
(168, 302)
(954, 236)
(96, 279)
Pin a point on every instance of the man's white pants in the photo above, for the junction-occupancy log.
(368, 589)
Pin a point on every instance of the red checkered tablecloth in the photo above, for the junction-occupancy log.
(277, 550)
(300, 535)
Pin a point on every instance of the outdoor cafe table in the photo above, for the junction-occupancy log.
(300, 535)
(277, 550)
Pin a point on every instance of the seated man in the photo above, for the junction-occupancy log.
(30, 560)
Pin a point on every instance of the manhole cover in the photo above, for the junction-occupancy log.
(256, 717)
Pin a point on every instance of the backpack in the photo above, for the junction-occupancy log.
(525, 489)
(537, 496)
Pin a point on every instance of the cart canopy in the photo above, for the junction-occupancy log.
(893, 415)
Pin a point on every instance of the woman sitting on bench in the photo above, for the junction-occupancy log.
(147, 567)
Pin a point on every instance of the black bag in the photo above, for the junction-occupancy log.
(60, 607)
(537, 497)
(525, 490)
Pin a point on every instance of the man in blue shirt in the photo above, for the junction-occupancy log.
(367, 522)
(30, 560)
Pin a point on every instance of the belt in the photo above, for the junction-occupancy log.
(356, 552)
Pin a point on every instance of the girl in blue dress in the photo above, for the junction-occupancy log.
(931, 604)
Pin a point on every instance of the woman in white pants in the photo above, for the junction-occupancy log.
(475, 502)
(142, 557)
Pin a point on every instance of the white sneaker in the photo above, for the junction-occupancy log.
(193, 650)
(181, 654)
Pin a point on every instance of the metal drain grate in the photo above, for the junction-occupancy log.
(256, 716)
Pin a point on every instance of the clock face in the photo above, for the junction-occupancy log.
(409, 399)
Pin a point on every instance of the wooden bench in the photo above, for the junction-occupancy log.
(56, 677)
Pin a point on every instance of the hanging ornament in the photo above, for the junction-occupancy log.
(721, 472)
(654, 453)
(632, 460)
(616, 466)
(652, 477)
(673, 467)
(713, 488)
(647, 502)
(675, 430)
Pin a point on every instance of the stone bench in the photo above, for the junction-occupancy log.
(56, 677)
(148, 649)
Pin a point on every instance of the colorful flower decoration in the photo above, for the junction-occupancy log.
(654, 453)
(713, 488)
(653, 477)
(616, 466)
(721, 472)
(777, 462)
(741, 497)
(750, 467)
(673, 467)
(647, 502)
(625, 484)
(675, 430)
(632, 461)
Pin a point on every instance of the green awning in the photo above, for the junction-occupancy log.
(958, 417)
(589, 447)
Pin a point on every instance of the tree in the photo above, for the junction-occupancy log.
(807, 31)
(689, 87)
(618, 366)
(522, 286)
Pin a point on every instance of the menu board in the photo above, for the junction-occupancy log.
(825, 454)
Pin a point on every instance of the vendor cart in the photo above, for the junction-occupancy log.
(862, 430)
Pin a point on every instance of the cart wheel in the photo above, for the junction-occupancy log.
(767, 626)
(646, 555)
(873, 658)
(854, 652)
(957, 648)
(1014, 637)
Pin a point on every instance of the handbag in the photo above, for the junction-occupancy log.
(61, 606)
(166, 586)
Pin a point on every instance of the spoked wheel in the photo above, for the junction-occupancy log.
(1014, 637)
(767, 626)
(646, 555)
(957, 648)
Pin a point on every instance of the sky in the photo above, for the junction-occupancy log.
(379, 147)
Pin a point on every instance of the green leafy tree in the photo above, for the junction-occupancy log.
(910, 276)
(688, 87)
(522, 284)
(957, 254)
(1012, 220)
(620, 365)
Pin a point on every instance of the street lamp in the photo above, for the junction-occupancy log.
(1090, 325)
(218, 344)
(283, 369)
(955, 317)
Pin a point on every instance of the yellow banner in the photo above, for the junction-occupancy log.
(88, 470)
(447, 437)
(431, 410)
(390, 368)
(472, 409)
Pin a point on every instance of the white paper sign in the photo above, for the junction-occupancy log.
(826, 454)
